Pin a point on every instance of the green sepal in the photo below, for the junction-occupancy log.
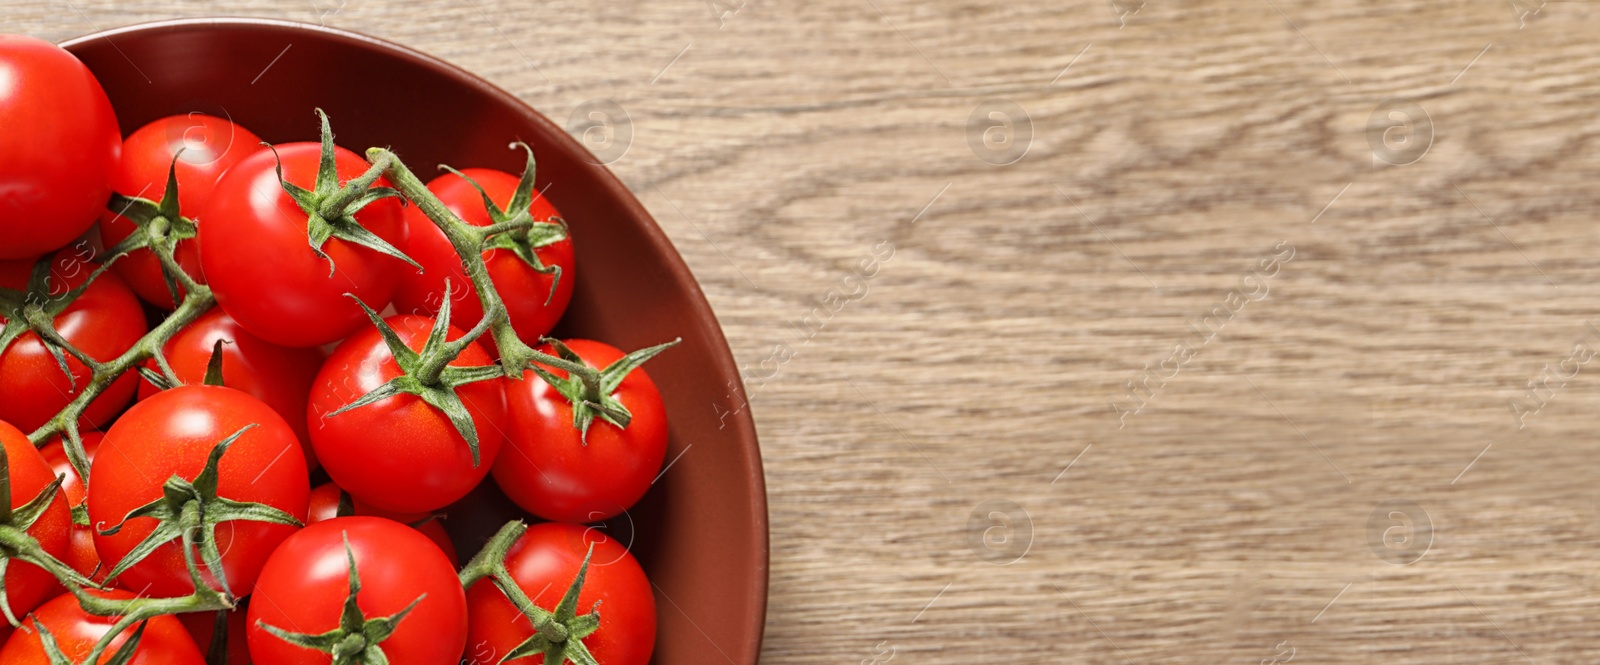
(330, 208)
(557, 635)
(190, 509)
(35, 309)
(123, 655)
(439, 391)
(357, 639)
(15, 541)
(214, 365)
(161, 226)
(596, 399)
(513, 228)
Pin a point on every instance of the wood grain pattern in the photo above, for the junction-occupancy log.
(1173, 145)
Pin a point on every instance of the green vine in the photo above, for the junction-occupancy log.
(189, 509)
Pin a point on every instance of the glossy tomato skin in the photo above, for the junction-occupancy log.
(164, 641)
(400, 454)
(325, 506)
(81, 555)
(59, 148)
(305, 583)
(254, 252)
(210, 146)
(278, 376)
(549, 471)
(174, 433)
(544, 562)
(103, 322)
(27, 585)
(523, 289)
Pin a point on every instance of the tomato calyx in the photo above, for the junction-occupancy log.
(428, 374)
(594, 396)
(557, 635)
(514, 229)
(160, 228)
(16, 544)
(190, 510)
(358, 638)
(35, 310)
(330, 208)
(468, 241)
(123, 655)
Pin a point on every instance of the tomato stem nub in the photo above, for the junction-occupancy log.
(191, 510)
(428, 374)
(330, 209)
(515, 355)
(557, 635)
(514, 229)
(357, 639)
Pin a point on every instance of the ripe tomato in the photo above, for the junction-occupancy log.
(400, 454)
(304, 586)
(544, 562)
(27, 585)
(59, 148)
(279, 376)
(81, 555)
(523, 289)
(551, 472)
(254, 251)
(202, 625)
(210, 147)
(103, 322)
(173, 433)
(164, 641)
(325, 506)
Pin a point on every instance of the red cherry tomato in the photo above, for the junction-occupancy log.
(210, 147)
(400, 454)
(305, 583)
(279, 376)
(81, 556)
(254, 251)
(27, 585)
(164, 641)
(202, 625)
(103, 322)
(544, 562)
(325, 506)
(173, 433)
(523, 289)
(58, 150)
(549, 471)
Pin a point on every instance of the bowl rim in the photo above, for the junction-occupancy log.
(722, 364)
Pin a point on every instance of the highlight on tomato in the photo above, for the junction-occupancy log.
(59, 148)
(85, 305)
(206, 466)
(63, 627)
(583, 453)
(531, 266)
(197, 149)
(368, 577)
(281, 265)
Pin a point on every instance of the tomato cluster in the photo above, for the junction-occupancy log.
(217, 450)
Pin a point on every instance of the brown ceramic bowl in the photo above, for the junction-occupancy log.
(701, 532)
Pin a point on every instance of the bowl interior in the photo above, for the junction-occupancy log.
(701, 532)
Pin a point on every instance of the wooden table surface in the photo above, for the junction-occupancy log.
(1345, 239)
